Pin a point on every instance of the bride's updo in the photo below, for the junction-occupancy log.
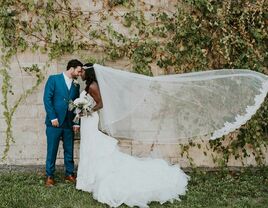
(90, 75)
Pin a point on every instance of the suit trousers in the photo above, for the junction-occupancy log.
(54, 135)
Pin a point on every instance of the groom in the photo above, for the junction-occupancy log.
(59, 89)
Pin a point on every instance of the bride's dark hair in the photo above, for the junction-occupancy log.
(90, 75)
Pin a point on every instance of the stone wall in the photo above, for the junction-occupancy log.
(28, 122)
(29, 129)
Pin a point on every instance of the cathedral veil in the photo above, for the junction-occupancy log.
(169, 108)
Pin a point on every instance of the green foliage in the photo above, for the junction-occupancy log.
(10, 110)
(195, 35)
(6, 88)
(113, 3)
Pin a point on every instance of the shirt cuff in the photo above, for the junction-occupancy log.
(54, 120)
(76, 125)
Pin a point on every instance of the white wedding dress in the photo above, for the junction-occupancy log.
(115, 178)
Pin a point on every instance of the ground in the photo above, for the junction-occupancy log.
(243, 188)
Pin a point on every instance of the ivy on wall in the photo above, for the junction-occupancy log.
(191, 35)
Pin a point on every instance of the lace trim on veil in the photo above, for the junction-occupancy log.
(241, 120)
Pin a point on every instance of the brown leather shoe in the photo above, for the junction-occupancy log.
(49, 181)
(70, 178)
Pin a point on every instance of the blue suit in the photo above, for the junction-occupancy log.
(56, 97)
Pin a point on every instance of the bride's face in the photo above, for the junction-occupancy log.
(83, 75)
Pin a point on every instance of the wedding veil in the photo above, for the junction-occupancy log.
(169, 108)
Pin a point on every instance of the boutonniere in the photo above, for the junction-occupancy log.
(75, 82)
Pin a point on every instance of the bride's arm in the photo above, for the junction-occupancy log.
(94, 91)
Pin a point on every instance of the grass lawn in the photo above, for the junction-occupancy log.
(212, 189)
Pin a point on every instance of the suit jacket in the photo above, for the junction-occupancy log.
(56, 97)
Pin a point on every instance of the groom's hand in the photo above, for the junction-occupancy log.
(76, 128)
(55, 123)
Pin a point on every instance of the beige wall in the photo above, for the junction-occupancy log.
(29, 129)
(28, 121)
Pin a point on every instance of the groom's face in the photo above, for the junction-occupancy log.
(76, 72)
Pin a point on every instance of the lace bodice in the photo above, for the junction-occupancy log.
(85, 94)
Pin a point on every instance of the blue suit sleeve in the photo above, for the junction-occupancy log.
(48, 98)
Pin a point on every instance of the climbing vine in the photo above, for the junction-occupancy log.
(191, 35)
(10, 110)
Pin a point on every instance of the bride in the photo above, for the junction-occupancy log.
(115, 178)
(161, 109)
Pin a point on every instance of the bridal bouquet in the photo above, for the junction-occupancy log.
(82, 106)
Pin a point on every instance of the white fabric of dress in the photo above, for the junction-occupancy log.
(116, 178)
(162, 109)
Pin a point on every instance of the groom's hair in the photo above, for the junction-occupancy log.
(74, 63)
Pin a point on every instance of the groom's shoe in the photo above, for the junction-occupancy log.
(70, 178)
(49, 181)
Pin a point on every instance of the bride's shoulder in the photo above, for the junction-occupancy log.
(93, 86)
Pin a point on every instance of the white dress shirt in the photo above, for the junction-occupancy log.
(68, 81)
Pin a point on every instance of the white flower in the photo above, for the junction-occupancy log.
(82, 106)
(75, 81)
(81, 101)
